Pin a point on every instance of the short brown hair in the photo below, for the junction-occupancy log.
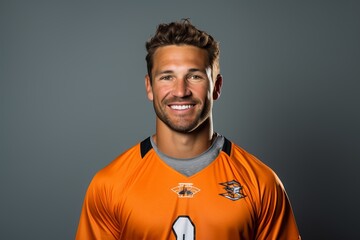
(182, 33)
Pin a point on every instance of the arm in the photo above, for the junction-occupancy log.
(276, 219)
(96, 221)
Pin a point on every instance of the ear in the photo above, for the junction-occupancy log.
(217, 87)
(148, 88)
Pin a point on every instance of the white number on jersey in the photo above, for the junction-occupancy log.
(184, 229)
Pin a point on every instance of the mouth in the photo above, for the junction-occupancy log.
(181, 106)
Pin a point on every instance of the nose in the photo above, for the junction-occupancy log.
(181, 88)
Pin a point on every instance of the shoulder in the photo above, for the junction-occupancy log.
(260, 182)
(123, 165)
(252, 167)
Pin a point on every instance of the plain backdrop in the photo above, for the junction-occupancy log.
(72, 98)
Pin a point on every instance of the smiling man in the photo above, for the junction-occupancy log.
(186, 181)
(182, 89)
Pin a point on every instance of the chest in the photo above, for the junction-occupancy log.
(163, 204)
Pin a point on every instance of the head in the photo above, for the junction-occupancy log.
(183, 76)
(183, 33)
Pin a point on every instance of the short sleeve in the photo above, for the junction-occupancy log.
(276, 219)
(96, 221)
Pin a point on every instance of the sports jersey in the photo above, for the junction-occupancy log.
(139, 196)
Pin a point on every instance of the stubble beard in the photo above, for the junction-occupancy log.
(181, 124)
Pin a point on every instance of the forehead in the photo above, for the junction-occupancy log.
(180, 55)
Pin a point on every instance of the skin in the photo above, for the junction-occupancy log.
(182, 91)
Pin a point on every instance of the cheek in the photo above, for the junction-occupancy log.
(204, 92)
(161, 92)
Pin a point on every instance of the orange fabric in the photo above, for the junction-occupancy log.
(235, 197)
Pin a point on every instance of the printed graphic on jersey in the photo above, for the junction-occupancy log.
(233, 190)
(185, 190)
(184, 228)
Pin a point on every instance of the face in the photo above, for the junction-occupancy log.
(182, 89)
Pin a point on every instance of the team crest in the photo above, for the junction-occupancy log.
(185, 190)
(233, 190)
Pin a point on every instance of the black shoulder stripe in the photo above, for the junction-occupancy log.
(145, 147)
(227, 146)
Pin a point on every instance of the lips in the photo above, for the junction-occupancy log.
(181, 107)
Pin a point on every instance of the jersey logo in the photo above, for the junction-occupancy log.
(233, 190)
(185, 190)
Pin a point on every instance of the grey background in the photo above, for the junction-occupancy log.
(72, 98)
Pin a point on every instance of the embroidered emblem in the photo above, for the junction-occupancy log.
(233, 190)
(185, 190)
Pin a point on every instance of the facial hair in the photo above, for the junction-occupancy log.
(179, 123)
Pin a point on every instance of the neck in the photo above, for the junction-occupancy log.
(183, 145)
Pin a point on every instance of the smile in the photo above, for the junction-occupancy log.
(181, 107)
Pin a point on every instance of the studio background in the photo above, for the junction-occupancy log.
(73, 98)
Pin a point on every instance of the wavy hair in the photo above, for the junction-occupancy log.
(183, 33)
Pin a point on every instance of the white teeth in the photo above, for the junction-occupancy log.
(180, 107)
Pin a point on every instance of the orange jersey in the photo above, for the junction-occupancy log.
(138, 196)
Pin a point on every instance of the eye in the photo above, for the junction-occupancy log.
(195, 77)
(166, 77)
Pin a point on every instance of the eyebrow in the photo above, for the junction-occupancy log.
(191, 70)
(163, 72)
(197, 70)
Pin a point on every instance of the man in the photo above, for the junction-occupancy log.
(185, 181)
